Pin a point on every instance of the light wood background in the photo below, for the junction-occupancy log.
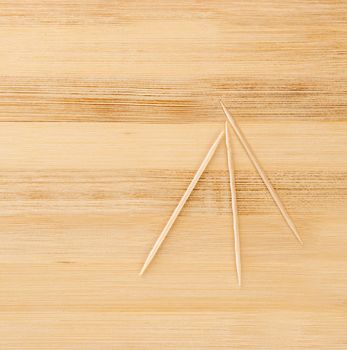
(106, 110)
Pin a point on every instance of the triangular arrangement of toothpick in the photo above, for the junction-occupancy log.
(196, 178)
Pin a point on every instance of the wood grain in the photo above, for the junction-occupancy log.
(106, 109)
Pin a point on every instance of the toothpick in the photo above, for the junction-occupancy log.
(265, 179)
(181, 203)
(233, 205)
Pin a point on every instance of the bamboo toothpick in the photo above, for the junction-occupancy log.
(233, 205)
(181, 203)
(265, 179)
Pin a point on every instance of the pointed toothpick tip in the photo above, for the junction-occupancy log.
(296, 234)
(229, 117)
(239, 278)
(143, 270)
(300, 240)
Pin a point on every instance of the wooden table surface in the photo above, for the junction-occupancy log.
(107, 109)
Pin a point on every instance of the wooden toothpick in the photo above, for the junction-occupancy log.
(233, 204)
(181, 203)
(260, 171)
